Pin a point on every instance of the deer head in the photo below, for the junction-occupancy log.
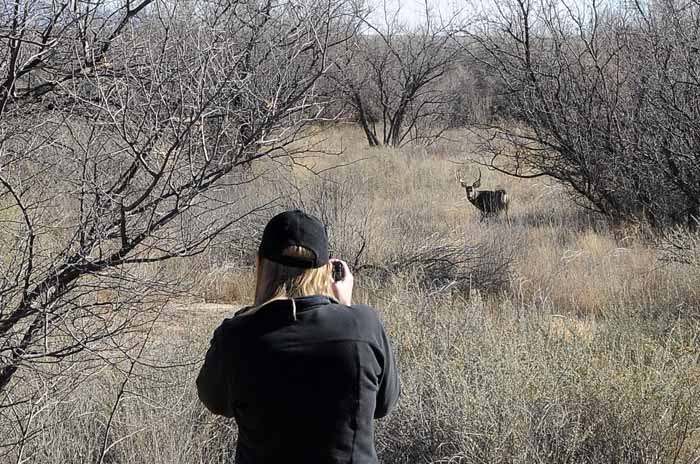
(473, 189)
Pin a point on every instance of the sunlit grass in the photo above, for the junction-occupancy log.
(589, 351)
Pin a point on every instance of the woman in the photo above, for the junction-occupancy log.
(303, 371)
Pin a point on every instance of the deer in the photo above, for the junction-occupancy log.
(487, 201)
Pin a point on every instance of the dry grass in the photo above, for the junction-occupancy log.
(565, 260)
(587, 351)
(499, 387)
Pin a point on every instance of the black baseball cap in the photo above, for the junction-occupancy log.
(295, 228)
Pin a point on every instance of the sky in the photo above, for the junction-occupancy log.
(412, 12)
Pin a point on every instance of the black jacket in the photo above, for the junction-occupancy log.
(302, 390)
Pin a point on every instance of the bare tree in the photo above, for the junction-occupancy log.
(391, 79)
(124, 130)
(603, 98)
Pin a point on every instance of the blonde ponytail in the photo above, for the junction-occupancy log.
(277, 281)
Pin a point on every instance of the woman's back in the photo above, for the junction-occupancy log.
(304, 372)
(312, 377)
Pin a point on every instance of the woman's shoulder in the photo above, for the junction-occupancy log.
(245, 310)
(238, 318)
(365, 316)
(365, 310)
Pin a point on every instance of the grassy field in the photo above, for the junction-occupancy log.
(549, 338)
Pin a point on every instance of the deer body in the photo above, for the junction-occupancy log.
(487, 201)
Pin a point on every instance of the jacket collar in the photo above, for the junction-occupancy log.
(296, 305)
(306, 302)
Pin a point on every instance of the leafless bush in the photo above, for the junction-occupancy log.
(604, 98)
(392, 77)
(472, 91)
(122, 125)
(679, 249)
(334, 200)
(445, 264)
(680, 246)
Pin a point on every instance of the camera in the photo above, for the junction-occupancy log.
(338, 271)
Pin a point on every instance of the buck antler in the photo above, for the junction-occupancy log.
(487, 201)
(478, 181)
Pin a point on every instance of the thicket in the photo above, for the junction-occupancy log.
(602, 97)
(130, 132)
(126, 129)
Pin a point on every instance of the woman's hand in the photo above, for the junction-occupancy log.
(342, 289)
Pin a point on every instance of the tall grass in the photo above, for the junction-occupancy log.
(586, 349)
(497, 386)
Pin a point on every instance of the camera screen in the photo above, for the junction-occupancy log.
(338, 271)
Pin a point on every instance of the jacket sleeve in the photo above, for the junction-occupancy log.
(214, 379)
(389, 384)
